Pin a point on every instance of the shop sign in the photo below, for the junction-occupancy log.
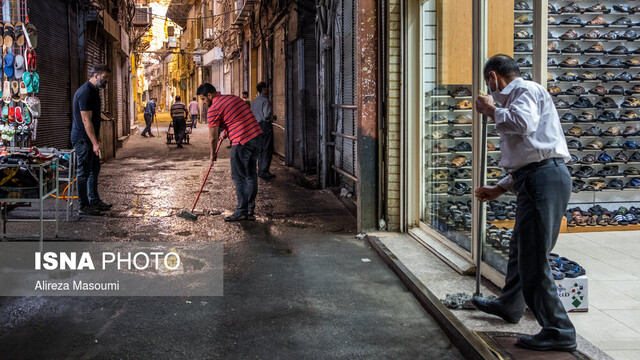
(197, 58)
(173, 42)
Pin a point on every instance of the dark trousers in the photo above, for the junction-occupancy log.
(148, 120)
(266, 150)
(194, 120)
(245, 177)
(179, 126)
(543, 195)
(88, 171)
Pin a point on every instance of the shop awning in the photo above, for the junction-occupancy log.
(178, 11)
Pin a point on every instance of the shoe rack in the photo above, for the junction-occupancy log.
(441, 146)
(562, 49)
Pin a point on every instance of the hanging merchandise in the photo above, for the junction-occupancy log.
(18, 38)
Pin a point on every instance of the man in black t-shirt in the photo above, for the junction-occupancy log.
(85, 131)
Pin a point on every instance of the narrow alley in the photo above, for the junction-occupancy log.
(296, 284)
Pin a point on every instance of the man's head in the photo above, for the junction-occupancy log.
(99, 75)
(194, 99)
(178, 98)
(206, 92)
(245, 95)
(501, 70)
(154, 99)
(262, 88)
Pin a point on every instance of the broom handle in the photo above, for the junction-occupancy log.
(205, 178)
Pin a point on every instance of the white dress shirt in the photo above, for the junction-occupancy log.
(529, 127)
(261, 108)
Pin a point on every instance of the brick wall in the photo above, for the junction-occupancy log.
(394, 117)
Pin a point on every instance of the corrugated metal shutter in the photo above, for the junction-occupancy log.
(279, 90)
(57, 68)
(345, 155)
(310, 97)
(120, 95)
(95, 54)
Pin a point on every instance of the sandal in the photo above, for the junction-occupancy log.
(458, 161)
(494, 173)
(463, 105)
(573, 270)
(32, 33)
(19, 34)
(577, 217)
(8, 35)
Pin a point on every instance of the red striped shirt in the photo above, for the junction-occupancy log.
(235, 116)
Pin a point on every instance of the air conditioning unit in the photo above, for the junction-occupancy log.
(142, 16)
(208, 34)
(196, 44)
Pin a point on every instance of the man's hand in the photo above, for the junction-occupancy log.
(96, 148)
(488, 193)
(223, 135)
(484, 105)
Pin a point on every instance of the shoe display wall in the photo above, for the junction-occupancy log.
(448, 153)
(595, 85)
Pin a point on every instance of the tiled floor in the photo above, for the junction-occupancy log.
(612, 261)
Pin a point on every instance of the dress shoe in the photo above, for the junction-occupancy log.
(494, 307)
(546, 342)
(101, 205)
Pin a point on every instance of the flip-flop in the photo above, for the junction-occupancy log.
(12, 114)
(32, 33)
(6, 92)
(15, 90)
(27, 80)
(8, 65)
(26, 114)
(5, 113)
(8, 35)
(19, 34)
(31, 60)
(23, 91)
(35, 82)
(18, 114)
(34, 105)
(18, 66)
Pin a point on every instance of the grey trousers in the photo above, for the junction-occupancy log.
(244, 174)
(543, 195)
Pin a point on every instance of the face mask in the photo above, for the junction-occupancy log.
(494, 93)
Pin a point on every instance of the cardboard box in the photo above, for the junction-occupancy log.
(574, 293)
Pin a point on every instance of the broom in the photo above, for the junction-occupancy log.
(190, 215)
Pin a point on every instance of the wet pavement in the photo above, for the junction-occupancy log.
(295, 283)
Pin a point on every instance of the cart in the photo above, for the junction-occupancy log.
(187, 131)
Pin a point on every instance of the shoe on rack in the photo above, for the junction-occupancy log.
(89, 210)
(494, 307)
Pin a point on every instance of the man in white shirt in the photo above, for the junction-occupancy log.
(534, 152)
(261, 109)
(194, 111)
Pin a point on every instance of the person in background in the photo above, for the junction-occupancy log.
(262, 111)
(149, 114)
(235, 117)
(179, 115)
(194, 110)
(85, 131)
(534, 152)
(245, 97)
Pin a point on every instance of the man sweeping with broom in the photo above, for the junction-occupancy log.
(233, 115)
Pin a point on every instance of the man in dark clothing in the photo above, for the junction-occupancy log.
(149, 113)
(179, 115)
(85, 131)
(234, 115)
(262, 111)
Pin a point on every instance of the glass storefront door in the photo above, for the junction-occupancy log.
(447, 120)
